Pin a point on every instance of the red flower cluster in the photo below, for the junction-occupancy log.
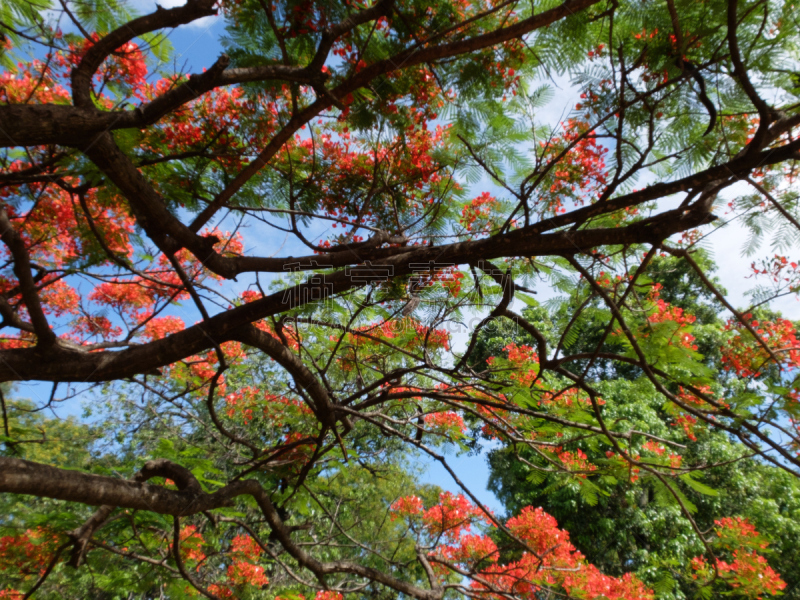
(470, 550)
(780, 269)
(479, 210)
(192, 542)
(407, 506)
(521, 358)
(573, 461)
(27, 554)
(276, 410)
(751, 575)
(364, 343)
(664, 313)
(572, 397)
(519, 355)
(554, 562)
(445, 421)
(747, 357)
(321, 595)
(580, 174)
(241, 571)
(654, 447)
(738, 531)
(452, 516)
(749, 572)
(549, 559)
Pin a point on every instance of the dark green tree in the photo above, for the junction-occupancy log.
(634, 525)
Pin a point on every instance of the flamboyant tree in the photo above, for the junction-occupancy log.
(254, 272)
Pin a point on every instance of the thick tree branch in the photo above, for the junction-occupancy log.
(73, 365)
(22, 269)
(19, 476)
(25, 477)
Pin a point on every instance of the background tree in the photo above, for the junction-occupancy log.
(258, 402)
(635, 526)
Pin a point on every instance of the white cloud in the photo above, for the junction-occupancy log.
(148, 6)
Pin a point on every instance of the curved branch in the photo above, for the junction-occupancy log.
(82, 74)
(302, 375)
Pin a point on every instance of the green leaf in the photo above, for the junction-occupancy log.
(588, 492)
(526, 299)
(704, 593)
(536, 477)
(159, 45)
(664, 585)
(697, 486)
